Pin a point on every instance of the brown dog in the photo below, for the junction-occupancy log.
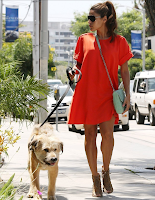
(43, 150)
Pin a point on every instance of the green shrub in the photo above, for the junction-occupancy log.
(135, 65)
(19, 96)
(7, 191)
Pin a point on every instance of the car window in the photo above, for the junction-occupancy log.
(151, 84)
(54, 83)
(134, 86)
(141, 85)
(61, 92)
(131, 86)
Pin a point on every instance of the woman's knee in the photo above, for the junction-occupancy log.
(108, 135)
(106, 128)
(90, 132)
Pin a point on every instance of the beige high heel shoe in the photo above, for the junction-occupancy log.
(97, 192)
(107, 186)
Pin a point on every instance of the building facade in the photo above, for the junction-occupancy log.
(60, 38)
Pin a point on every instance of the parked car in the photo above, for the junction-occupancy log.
(123, 121)
(62, 109)
(143, 96)
(52, 82)
(131, 111)
(137, 54)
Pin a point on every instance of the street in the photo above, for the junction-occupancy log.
(132, 156)
(137, 142)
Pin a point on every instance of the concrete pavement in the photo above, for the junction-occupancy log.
(130, 179)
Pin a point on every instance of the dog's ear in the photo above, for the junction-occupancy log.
(33, 144)
(61, 147)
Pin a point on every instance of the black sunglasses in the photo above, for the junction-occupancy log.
(92, 18)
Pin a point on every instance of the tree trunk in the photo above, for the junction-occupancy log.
(150, 10)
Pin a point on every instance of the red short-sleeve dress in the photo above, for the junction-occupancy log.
(92, 101)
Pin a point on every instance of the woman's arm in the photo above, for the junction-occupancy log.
(126, 82)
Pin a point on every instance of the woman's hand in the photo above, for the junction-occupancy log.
(126, 82)
(126, 103)
(72, 73)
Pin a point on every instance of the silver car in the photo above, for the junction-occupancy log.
(62, 109)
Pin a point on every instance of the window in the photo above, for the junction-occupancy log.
(56, 40)
(65, 41)
(151, 84)
(64, 55)
(66, 34)
(56, 33)
(141, 85)
(63, 48)
(134, 86)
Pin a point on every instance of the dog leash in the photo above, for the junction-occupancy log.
(63, 96)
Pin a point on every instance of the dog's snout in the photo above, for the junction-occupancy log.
(53, 159)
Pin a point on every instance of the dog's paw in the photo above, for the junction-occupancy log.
(33, 195)
(30, 195)
(52, 198)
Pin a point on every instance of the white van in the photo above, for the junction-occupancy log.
(143, 96)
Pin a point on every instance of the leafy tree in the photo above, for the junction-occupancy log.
(80, 25)
(22, 51)
(135, 65)
(6, 54)
(149, 60)
(130, 20)
(150, 10)
(149, 6)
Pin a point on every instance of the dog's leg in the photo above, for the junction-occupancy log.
(34, 170)
(52, 175)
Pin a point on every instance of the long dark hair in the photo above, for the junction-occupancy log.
(107, 9)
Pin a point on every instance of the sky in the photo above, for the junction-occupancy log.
(62, 10)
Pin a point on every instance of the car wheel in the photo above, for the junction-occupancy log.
(139, 118)
(51, 120)
(74, 129)
(65, 118)
(116, 127)
(70, 129)
(125, 127)
(152, 118)
(130, 116)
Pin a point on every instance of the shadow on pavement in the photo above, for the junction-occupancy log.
(58, 198)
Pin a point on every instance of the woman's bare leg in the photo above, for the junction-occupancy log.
(91, 152)
(91, 148)
(107, 144)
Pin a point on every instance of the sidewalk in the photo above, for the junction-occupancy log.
(130, 179)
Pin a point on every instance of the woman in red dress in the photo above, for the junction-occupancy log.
(92, 102)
